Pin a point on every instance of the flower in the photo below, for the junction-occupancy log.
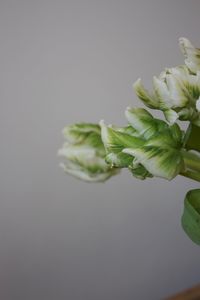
(148, 146)
(192, 55)
(176, 92)
(84, 153)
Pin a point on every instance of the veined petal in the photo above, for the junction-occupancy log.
(198, 104)
(119, 160)
(144, 95)
(192, 55)
(140, 172)
(83, 156)
(171, 116)
(115, 141)
(144, 122)
(160, 162)
(177, 135)
(81, 174)
(162, 93)
(177, 92)
(76, 133)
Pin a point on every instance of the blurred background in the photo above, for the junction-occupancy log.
(63, 62)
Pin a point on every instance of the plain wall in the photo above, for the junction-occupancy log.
(63, 62)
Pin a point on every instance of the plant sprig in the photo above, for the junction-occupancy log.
(147, 146)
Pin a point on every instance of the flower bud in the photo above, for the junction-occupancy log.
(192, 55)
(84, 153)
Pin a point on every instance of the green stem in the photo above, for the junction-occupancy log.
(191, 165)
(191, 160)
(192, 175)
(192, 140)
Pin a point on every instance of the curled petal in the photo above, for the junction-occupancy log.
(160, 162)
(144, 122)
(144, 95)
(192, 55)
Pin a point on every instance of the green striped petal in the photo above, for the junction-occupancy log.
(184, 87)
(76, 133)
(161, 162)
(171, 116)
(144, 122)
(160, 155)
(162, 93)
(84, 162)
(119, 160)
(84, 153)
(144, 95)
(84, 156)
(140, 172)
(115, 140)
(192, 55)
(82, 174)
(191, 215)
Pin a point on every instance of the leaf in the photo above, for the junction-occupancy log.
(191, 215)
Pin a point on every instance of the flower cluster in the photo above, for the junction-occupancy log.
(176, 91)
(147, 146)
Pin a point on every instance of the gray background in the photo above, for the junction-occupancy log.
(60, 238)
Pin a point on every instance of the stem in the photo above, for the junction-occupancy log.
(190, 174)
(191, 160)
(192, 165)
(192, 140)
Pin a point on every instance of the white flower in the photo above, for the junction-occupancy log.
(192, 55)
(175, 92)
(84, 153)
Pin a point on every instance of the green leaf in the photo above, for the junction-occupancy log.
(191, 215)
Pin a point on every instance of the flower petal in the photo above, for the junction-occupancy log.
(143, 95)
(144, 122)
(171, 116)
(76, 133)
(192, 55)
(160, 162)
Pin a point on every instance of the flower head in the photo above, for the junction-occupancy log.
(84, 153)
(148, 146)
(192, 55)
(176, 92)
